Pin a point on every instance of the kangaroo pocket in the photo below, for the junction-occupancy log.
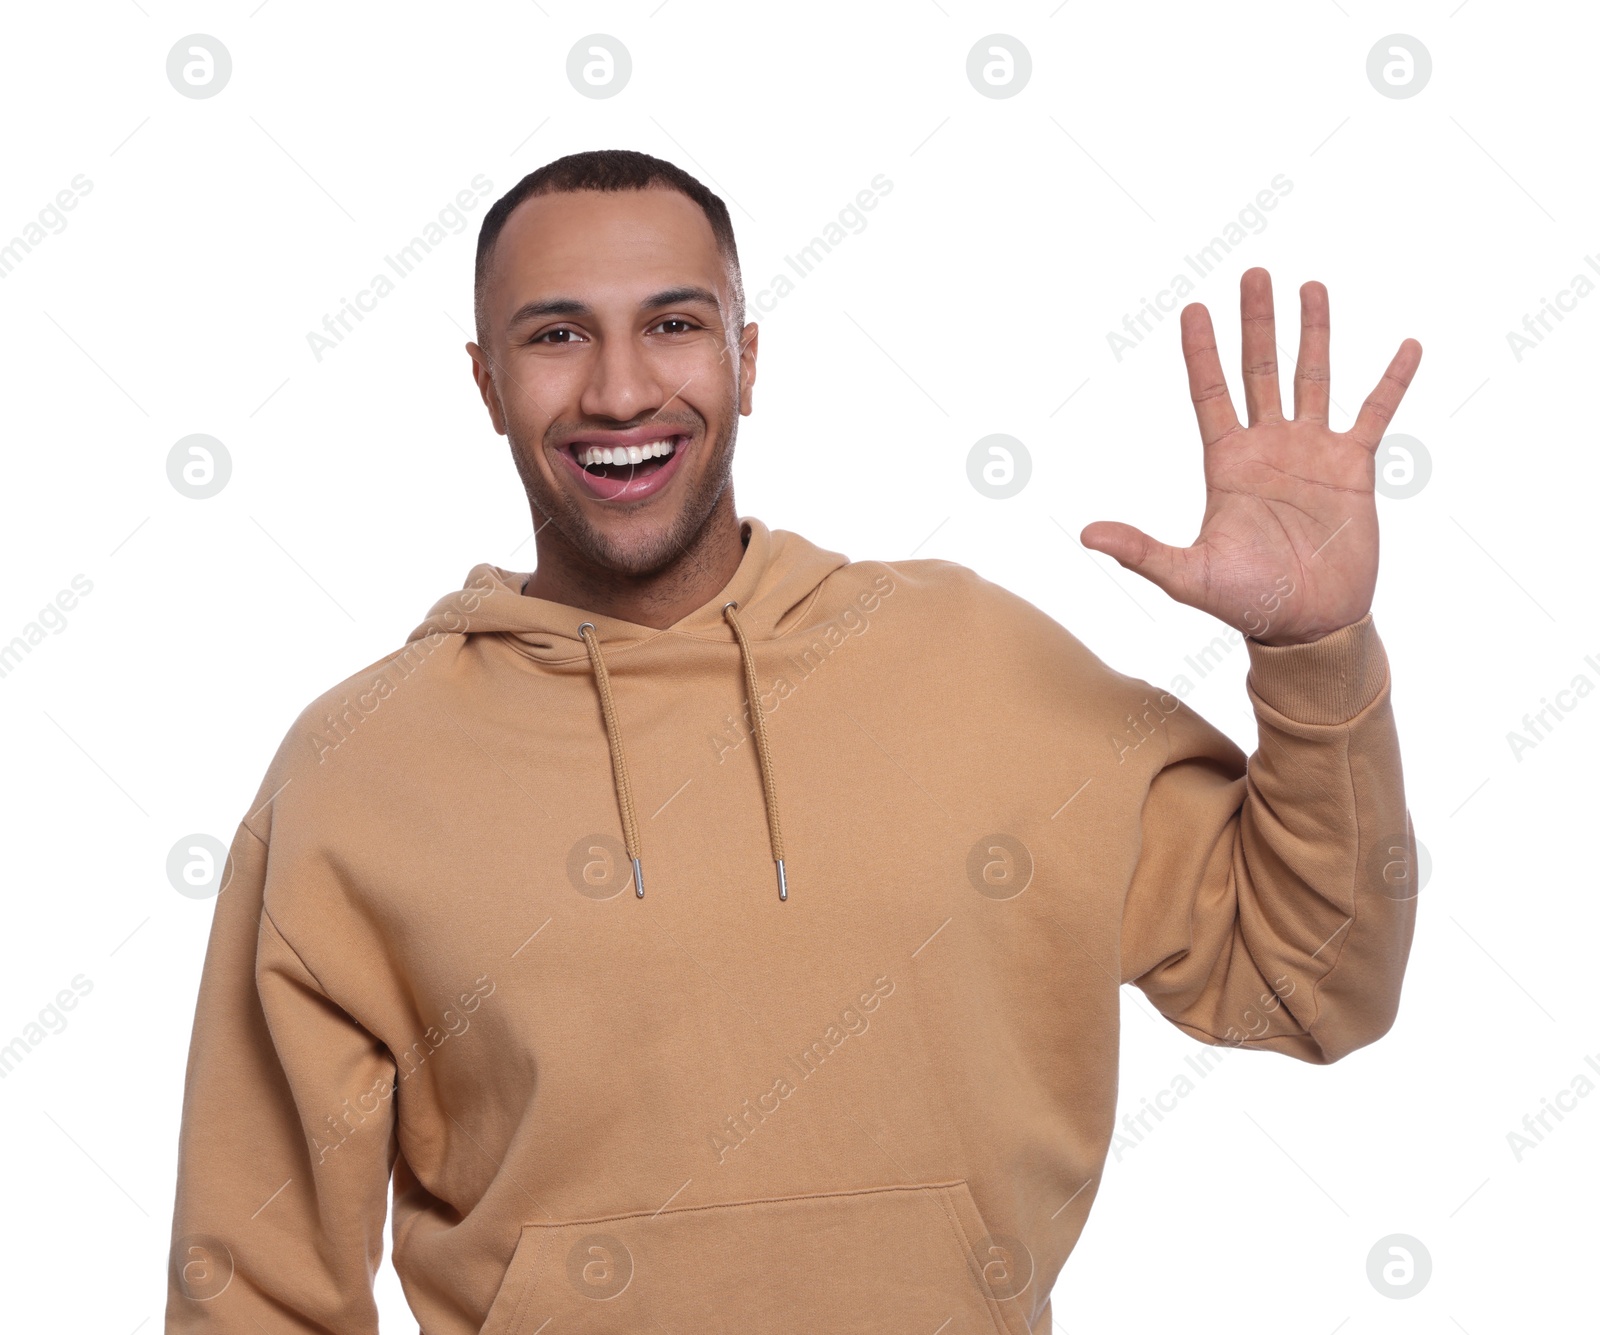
(915, 1258)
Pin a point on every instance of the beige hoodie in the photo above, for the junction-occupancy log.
(880, 1103)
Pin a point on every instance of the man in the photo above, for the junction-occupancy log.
(711, 933)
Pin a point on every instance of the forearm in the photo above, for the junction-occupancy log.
(1326, 895)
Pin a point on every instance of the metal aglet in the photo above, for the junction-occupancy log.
(638, 879)
(783, 881)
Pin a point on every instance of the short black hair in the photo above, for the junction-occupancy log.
(607, 169)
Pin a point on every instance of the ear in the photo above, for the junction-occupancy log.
(484, 375)
(748, 339)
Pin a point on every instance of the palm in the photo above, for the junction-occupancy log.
(1288, 544)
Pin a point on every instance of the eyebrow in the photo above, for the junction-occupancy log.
(568, 306)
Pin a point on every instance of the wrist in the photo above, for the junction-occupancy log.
(1327, 680)
(1282, 640)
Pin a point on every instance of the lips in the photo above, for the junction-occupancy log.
(626, 479)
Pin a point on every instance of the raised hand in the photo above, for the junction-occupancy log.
(1288, 544)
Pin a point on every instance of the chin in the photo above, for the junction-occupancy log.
(635, 547)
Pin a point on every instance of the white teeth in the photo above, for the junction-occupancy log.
(624, 454)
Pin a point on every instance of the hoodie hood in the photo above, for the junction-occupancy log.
(776, 581)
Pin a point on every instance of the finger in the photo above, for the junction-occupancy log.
(1311, 366)
(1379, 409)
(1136, 550)
(1213, 409)
(1259, 341)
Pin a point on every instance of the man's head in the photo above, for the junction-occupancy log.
(610, 314)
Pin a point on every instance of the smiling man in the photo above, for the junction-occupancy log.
(709, 932)
(612, 352)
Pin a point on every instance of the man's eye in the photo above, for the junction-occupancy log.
(685, 325)
(550, 336)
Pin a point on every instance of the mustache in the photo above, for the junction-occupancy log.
(570, 431)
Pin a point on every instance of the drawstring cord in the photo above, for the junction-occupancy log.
(769, 784)
(619, 762)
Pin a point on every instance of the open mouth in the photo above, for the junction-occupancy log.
(624, 472)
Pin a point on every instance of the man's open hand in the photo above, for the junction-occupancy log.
(1288, 545)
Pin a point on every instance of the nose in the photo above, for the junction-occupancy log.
(623, 385)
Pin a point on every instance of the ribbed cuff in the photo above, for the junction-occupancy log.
(1329, 680)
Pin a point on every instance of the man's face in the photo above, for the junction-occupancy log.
(608, 338)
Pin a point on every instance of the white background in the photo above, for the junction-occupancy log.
(1018, 232)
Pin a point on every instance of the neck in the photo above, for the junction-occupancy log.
(658, 600)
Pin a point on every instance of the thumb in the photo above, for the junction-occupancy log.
(1135, 550)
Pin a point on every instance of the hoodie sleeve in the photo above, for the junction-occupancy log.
(285, 1149)
(1273, 903)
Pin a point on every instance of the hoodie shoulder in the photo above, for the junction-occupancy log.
(335, 717)
(945, 589)
(945, 604)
